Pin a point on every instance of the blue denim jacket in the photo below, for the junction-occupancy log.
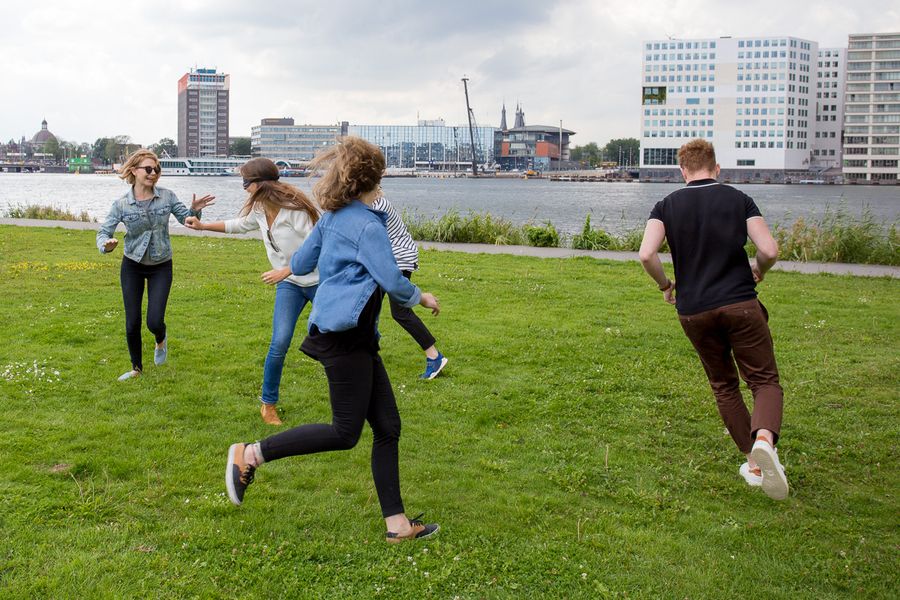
(353, 253)
(145, 230)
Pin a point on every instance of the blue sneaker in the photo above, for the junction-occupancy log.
(159, 354)
(433, 366)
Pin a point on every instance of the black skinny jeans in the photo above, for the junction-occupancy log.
(360, 391)
(159, 282)
(409, 321)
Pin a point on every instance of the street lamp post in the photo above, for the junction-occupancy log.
(559, 158)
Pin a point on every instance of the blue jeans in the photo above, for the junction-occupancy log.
(289, 302)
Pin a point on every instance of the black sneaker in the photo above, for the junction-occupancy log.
(238, 474)
(419, 531)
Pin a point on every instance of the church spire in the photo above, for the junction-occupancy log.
(503, 126)
(520, 117)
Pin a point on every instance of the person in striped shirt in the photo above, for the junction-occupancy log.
(406, 253)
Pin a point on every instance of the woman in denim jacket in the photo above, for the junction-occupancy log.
(145, 211)
(350, 245)
(284, 216)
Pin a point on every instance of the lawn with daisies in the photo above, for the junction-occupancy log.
(570, 449)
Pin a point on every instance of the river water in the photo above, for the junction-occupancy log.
(614, 206)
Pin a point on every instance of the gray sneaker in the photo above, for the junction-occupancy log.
(160, 354)
(129, 375)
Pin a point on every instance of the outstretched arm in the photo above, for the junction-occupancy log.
(182, 212)
(196, 223)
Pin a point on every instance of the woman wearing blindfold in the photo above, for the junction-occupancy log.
(284, 216)
(145, 211)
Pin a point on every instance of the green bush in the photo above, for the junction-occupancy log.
(838, 237)
(542, 236)
(54, 213)
(598, 239)
(474, 228)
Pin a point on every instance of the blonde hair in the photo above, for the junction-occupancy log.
(354, 167)
(134, 160)
(271, 192)
(697, 155)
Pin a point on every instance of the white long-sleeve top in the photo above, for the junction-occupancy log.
(288, 232)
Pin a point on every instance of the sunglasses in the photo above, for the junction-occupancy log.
(248, 182)
(272, 241)
(149, 170)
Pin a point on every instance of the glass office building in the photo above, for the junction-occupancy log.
(431, 145)
(284, 142)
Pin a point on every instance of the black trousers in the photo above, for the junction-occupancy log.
(412, 323)
(360, 391)
(159, 283)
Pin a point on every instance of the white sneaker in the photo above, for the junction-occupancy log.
(752, 479)
(774, 482)
(129, 375)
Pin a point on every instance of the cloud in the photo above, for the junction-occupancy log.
(105, 68)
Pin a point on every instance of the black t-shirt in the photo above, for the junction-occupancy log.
(706, 227)
(364, 336)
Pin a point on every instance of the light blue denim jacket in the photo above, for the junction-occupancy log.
(352, 250)
(145, 230)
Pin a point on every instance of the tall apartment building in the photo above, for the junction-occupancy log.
(872, 109)
(282, 141)
(828, 142)
(753, 98)
(203, 113)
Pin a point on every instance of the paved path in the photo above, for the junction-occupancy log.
(797, 267)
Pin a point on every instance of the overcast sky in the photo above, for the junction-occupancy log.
(101, 68)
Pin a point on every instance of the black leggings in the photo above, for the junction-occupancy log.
(409, 321)
(360, 391)
(159, 282)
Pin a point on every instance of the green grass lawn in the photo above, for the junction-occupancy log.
(571, 449)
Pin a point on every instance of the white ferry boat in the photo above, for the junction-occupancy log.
(208, 165)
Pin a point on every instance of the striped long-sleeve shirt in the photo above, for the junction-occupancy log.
(405, 250)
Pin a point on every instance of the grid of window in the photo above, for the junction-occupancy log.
(660, 156)
(872, 113)
(425, 146)
(292, 143)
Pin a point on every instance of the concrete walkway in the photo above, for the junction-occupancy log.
(796, 267)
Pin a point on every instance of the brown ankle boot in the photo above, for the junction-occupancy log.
(269, 414)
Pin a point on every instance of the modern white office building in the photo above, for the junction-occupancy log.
(753, 98)
(827, 143)
(292, 145)
(872, 109)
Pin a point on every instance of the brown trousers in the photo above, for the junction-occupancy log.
(740, 329)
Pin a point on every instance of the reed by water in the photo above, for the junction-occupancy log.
(834, 237)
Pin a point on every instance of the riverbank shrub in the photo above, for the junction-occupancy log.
(593, 239)
(599, 239)
(474, 228)
(52, 213)
(542, 236)
(836, 237)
